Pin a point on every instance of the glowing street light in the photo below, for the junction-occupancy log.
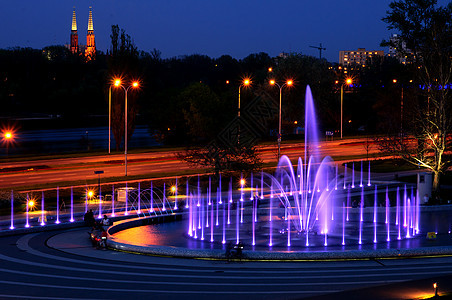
(348, 81)
(135, 84)
(8, 137)
(287, 83)
(116, 82)
(245, 83)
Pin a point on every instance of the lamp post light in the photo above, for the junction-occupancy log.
(134, 84)
(287, 83)
(246, 82)
(348, 81)
(8, 137)
(116, 83)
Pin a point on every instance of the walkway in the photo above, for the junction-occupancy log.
(63, 264)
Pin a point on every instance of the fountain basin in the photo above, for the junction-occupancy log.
(170, 239)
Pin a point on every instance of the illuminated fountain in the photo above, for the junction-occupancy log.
(313, 202)
(310, 204)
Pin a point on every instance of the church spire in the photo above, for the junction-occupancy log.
(90, 51)
(74, 35)
(74, 21)
(90, 20)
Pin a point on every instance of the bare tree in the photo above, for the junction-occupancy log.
(426, 35)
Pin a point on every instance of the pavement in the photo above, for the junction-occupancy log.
(62, 264)
(414, 289)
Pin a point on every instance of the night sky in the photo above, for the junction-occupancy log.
(211, 27)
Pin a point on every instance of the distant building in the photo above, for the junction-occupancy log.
(404, 55)
(358, 57)
(88, 50)
(283, 55)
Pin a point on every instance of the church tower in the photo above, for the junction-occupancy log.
(74, 34)
(90, 51)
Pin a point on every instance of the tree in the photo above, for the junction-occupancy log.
(318, 74)
(220, 158)
(124, 63)
(426, 33)
(225, 152)
(201, 111)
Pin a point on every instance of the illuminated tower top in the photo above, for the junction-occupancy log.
(74, 35)
(90, 51)
(90, 20)
(74, 21)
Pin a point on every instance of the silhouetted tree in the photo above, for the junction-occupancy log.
(123, 63)
(426, 31)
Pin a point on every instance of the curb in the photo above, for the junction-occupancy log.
(171, 251)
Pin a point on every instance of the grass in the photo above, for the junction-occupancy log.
(390, 166)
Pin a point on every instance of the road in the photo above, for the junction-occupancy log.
(63, 265)
(55, 171)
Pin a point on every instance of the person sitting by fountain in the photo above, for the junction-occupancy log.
(228, 251)
(89, 218)
(426, 199)
(85, 219)
(237, 250)
(95, 232)
(105, 222)
(63, 205)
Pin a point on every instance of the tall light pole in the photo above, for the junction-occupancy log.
(8, 137)
(116, 82)
(246, 82)
(287, 83)
(134, 84)
(401, 107)
(348, 81)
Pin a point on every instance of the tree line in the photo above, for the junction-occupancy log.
(187, 99)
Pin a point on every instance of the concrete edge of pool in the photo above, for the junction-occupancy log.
(183, 252)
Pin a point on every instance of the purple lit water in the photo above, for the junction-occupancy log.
(301, 201)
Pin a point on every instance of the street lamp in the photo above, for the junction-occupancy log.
(348, 82)
(8, 137)
(134, 84)
(287, 83)
(116, 83)
(246, 82)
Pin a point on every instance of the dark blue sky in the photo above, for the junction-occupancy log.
(211, 27)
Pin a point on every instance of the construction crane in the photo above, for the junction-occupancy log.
(320, 48)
